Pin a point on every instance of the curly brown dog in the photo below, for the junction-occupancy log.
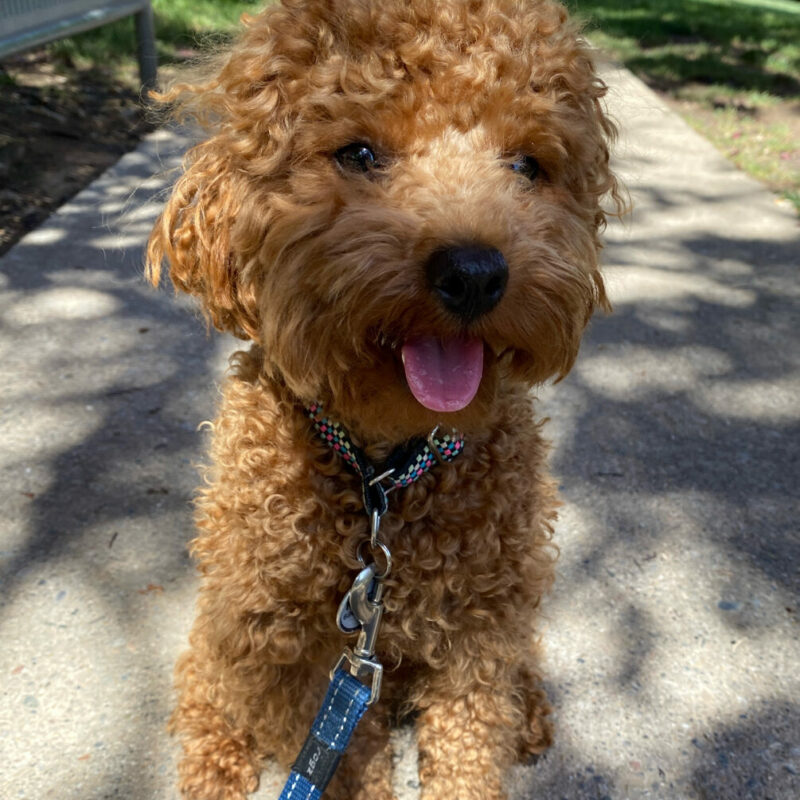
(398, 204)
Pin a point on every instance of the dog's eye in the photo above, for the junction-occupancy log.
(527, 166)
(356, 157)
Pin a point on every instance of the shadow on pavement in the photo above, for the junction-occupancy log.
(754, 758)
(104, 381)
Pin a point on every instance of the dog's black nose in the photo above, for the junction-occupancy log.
(469, 280)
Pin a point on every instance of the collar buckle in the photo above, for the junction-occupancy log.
(378, 478)
(433, 446)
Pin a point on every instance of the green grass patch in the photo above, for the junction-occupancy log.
(732, 67)
(749, 45)
(182, 28)
(764, 150)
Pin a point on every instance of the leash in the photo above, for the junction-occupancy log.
(345, 703)
(356, 678)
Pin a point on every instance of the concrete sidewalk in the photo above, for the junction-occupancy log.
(672, 636)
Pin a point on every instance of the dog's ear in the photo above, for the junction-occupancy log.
(193, 236)
(602, 181)
(218, 213)
(590, 133)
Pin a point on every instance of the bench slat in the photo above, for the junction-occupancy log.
(30, 23)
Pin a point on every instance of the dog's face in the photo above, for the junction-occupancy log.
(400, 202)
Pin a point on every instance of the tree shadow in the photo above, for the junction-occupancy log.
(105, 382)
(156, 353)
(718, 430)
(755, 757)
(677, 432)
(559, 775)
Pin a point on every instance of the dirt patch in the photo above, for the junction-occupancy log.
(58, 131)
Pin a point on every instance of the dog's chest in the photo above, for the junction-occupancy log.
(456, 558)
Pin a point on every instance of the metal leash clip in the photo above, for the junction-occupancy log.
(361, 610)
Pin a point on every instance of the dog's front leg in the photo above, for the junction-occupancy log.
(218, 761)
(467, 742)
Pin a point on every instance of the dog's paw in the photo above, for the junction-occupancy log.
(222, 773)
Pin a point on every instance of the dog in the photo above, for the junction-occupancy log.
(399, 205)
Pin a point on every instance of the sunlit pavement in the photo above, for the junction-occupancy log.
(672, 634)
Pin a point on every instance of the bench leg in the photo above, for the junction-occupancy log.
(146, 42)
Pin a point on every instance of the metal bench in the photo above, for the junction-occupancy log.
(29, 23)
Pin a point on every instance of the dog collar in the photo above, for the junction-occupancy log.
(405, 464)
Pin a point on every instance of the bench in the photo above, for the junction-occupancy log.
(29, 23)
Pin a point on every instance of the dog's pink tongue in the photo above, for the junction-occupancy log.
(443, 376)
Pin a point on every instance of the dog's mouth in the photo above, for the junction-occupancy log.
(443, 375)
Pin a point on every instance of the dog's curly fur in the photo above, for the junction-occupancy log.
(322, 269)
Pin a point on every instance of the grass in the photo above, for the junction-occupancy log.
(182, 28)
(731, 67)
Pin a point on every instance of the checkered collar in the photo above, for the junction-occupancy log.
(407, 462)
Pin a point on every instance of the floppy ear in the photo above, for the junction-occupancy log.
(218, 215)
(603, 182)
(193, 235)
(591, 134)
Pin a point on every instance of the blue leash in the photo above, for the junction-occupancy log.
(345, 703)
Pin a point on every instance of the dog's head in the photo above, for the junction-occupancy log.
(398, 201)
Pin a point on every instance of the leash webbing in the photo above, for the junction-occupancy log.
(345, 703)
